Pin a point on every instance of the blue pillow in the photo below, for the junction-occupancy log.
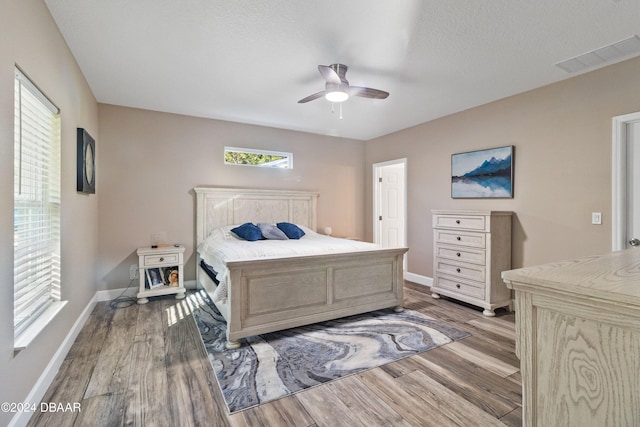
(291, 230)
(271, 231)
(247, 231)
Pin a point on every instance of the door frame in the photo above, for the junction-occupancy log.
(376, 197)
(619, 179)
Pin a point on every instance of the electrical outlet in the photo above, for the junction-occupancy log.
(133, 272)
(596, 218)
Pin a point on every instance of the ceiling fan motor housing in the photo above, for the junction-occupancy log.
(337, 87)
(333, 87)
(341, 71)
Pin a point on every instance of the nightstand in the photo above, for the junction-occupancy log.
(160, 271)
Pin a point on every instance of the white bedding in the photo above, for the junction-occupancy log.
(223, 246)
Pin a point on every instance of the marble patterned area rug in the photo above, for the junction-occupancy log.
(275, 365)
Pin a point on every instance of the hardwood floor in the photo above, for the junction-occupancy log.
(144, 365)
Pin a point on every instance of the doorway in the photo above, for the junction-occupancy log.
(390, 203)
(626, 179)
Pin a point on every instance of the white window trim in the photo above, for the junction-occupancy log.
(34, 329)
(31, 330)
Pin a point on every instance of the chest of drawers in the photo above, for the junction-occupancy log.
(471, 249)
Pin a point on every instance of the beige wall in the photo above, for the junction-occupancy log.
(31, 40)
(562, 139)
(149, 163)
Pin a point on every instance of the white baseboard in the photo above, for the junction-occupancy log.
(21, 419)
(420, 280)
(131, 291)
(111, 294)
(42, 385)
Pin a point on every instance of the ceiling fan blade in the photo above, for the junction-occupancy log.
(311, 97)
(367, 92)
(329, 74)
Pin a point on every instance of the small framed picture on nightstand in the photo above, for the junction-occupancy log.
(171, 276)
(154, 278)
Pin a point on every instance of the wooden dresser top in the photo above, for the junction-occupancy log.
(614, 277)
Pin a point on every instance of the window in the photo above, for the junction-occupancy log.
(36, 209)
(262, 158)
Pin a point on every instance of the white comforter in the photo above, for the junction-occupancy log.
(222, 246)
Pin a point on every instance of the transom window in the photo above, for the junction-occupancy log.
(260, 158)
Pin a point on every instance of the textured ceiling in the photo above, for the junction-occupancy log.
(251, 61)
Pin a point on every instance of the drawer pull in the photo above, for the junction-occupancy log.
(458, 285)
(458, 238)
(458, 270)
(458, 254)
(457, 221)
(161, 259)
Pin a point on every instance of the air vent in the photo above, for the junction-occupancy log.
(624, 49)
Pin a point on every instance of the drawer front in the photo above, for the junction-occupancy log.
(460, 222)
(459, 269)
(156, 259)
(475, 290)
(460, 253)
(463, 238)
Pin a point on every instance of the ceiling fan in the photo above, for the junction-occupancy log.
(337, 89)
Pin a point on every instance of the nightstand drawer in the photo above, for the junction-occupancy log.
(475, 256)
(463, 238)
(475, 290)
(459, 269)
(460, 222)
(157, 259)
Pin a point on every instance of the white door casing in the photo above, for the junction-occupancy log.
(625, 172)
(633, 184)
(389, 213)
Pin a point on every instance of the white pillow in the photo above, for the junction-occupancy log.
(223, 233)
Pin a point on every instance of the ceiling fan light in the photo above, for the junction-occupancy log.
(337, 96)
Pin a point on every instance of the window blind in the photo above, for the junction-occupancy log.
(36, 223)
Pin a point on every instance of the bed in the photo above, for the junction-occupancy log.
(268, 293)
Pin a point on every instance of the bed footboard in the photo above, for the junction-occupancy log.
(276, 294)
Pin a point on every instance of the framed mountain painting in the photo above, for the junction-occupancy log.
(482, 174)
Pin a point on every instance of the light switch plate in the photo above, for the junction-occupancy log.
(596, 218)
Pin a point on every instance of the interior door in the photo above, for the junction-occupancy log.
(633, 184)
(625, 177)
(389, 226)
(392, 201)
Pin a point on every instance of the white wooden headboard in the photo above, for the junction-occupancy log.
(217, 207)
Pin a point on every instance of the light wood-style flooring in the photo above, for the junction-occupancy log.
(144, 365)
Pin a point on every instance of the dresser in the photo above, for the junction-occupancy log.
(578, 340)
(471, 249)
